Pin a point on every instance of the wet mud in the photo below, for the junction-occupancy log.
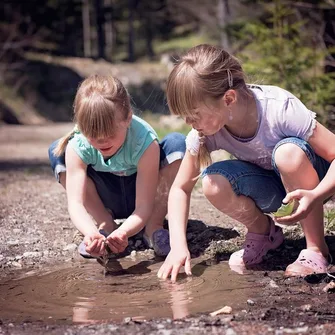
(45, 288)
(86, 293)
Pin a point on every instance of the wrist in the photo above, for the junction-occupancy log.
(125, 231)
(178, 244)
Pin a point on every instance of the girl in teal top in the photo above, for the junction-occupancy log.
(113, 167)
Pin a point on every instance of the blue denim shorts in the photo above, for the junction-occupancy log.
(263, 186)
(118, 193)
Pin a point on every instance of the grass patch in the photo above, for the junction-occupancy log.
(330, 219)
(162, 129)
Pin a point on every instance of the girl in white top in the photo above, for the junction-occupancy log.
(279, 147)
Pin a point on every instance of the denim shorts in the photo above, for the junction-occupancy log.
(263, 186)
(118, 193)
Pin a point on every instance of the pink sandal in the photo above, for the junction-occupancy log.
(256, 246)
(308, 262)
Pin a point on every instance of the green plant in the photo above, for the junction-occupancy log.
(330, 219)
(280, 51)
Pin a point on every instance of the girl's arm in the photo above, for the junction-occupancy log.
(323, 143)
(178, 211)
(146, 188)
(76, 180)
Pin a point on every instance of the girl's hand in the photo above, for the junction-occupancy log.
(306, 200)
(117, 240)
(174, 261)
(95, 244)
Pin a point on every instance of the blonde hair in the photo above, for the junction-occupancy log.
(100, 104)
(204, 73)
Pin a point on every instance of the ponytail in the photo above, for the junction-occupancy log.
(62, 143)
(204, 158)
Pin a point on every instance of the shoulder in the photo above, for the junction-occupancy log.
(83, 148)
(79, 141)
(140, 136)
(139, 125)
(270, 92)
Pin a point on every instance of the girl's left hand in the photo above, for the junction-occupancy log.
(305, 199)
(117, 240)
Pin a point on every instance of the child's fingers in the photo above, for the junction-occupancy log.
(101, 246)
(93, 248)
(291, 196)
(121, 241)
(160, 271)
(174, 273)
(165, 272)
(112, 247)
(291, 219)
(115, 246)
(187, 266)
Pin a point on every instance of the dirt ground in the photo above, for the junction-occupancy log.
(36, 233)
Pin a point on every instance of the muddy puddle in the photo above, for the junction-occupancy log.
(84, 293)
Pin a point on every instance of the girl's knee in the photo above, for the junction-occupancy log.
(216, 185)
(289, 157)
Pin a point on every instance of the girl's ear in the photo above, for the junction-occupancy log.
(230, 98)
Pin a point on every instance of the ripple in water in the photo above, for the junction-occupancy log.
(83, 293)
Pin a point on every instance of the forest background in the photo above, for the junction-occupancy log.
(48, 46)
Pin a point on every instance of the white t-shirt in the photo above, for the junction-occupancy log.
(280, 115)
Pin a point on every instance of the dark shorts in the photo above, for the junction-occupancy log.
(263, 186)
(118, 192)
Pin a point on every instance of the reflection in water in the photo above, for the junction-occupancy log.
(83, 293)
(180, 297)
(81, 311)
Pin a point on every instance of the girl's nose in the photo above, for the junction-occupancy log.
(101, 141)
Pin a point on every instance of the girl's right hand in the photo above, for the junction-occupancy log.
(173, 262)
(306, 200)
(95, 244)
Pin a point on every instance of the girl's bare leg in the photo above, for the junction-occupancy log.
(166, 178)
(297, 172)
(219, 192)
(94, 206)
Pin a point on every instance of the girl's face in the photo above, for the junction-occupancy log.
(208, 119)
(108, 146)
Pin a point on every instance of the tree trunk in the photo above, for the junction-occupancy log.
(109, 33)
(131, 51)
(86, 28)
(149, 35)
(99, 10)
(223, 16)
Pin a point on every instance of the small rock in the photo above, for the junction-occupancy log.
(16, 264)
(306, 308)
(223, 310)
(138, 243)
(133, 253)
(273, 284)
(250, 302)
(330, 287)
(127, 320)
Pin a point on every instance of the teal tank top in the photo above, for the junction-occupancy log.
(124, 162)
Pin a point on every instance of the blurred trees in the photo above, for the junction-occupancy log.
(287, 43)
